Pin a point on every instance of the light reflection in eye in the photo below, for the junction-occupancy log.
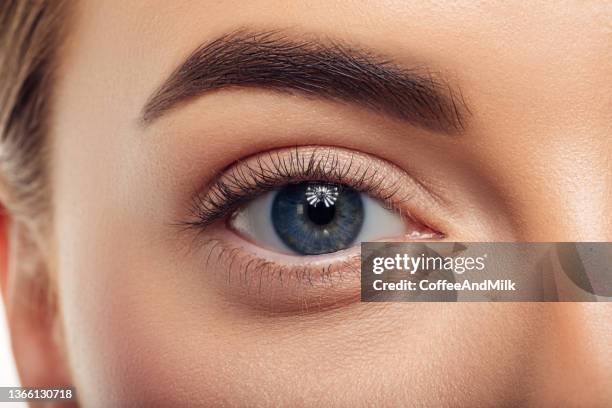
(312, 218)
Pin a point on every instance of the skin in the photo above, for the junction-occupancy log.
(140, 320)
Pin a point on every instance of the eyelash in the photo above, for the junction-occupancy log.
(250, 178)
(267, 271)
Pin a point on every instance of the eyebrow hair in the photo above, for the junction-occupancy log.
(273, 60)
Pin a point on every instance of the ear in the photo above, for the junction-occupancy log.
(31, 314)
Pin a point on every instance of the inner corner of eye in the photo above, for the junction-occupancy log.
(318, 217)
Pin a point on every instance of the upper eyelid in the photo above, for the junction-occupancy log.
(246, 179)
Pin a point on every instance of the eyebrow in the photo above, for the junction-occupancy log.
(326, 69)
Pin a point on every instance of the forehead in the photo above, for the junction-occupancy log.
(487, 46)
(540, 69)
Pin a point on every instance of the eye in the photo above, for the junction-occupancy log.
(280, 229)
(315, 217)
(312, 201)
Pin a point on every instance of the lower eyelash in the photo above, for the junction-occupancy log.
(256, 272)
(273, 288)
(249, 178)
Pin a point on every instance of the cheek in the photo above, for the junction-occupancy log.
(138, 329)
(117, 280)
(142, 329)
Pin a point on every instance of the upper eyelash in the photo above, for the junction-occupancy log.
(245, 181)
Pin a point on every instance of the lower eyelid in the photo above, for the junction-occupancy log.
(280, 284)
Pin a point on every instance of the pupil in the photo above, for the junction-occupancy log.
(320, 214)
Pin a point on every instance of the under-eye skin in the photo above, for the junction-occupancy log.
(285, 225)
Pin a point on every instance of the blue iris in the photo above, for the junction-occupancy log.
(317, 217)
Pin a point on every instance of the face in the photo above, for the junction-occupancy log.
(183, 259)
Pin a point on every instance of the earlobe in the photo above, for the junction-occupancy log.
(31, 312)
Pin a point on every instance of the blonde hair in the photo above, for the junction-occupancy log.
(30, 32)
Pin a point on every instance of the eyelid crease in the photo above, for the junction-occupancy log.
(248, 178)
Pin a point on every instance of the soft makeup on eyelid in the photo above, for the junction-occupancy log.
(261, 173)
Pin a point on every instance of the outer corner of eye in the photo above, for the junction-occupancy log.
(316, 217)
